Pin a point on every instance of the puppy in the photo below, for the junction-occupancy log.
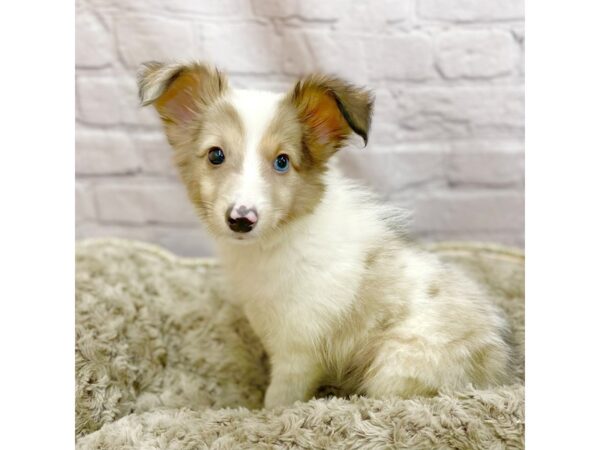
(336, 295)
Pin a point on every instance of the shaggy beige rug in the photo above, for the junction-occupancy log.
(162, 361)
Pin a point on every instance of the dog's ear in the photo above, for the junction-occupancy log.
(179, 92)
(330, 110)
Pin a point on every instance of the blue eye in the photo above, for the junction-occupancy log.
(282, 163)
(216, 156)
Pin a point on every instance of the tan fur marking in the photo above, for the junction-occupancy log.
(180, 93)
(221, 127)
(434, 290)
(312, 122)
(330, 109)
(300, 190)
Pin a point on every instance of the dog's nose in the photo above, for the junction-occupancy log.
(241, 218)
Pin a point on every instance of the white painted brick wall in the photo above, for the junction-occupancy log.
(476, 53)
(447, 136)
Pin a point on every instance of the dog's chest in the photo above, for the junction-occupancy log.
(292, 298)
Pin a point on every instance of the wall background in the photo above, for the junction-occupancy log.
(447, 136)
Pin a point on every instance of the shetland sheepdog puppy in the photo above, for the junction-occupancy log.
(336, 294)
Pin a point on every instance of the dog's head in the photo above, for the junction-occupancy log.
(252, 161)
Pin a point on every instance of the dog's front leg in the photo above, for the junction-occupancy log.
(293, 377)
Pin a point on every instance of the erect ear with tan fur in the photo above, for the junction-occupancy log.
(179, 92)
(330, 110)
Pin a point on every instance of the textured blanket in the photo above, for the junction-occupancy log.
(163, 361)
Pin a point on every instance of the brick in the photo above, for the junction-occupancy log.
(320, 10)
(513, 238)
(489, 210)
(400, 57)
(147, 202)
(104, 152)
(476, 53)
(319, 51)
(460, 112)
(383, 127)
(470, 10)
(129, 5)
(183, 241)
(208, 7)
(486, 168)
(145, 38)
(94, 47)
(95, 230)
(247, 47)
(391, 172)
(383, 134)
(187, 241)
(112, 101)
(518, 32)
(275, 8)
(372, 17)
(305, 9)
(84, 202)
(155, 154)
(261, 82)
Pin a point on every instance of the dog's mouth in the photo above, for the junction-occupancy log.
(241, 238)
